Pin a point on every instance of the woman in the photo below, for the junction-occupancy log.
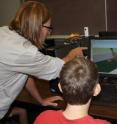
(20, 58)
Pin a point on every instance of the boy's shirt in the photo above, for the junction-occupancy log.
(57, 117)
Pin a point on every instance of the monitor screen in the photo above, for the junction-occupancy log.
(104, 53)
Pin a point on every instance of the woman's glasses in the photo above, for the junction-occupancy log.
(48, 27)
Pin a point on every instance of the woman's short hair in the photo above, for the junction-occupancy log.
(29, 19)
(78, 79)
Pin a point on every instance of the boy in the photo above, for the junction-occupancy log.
(78, 83)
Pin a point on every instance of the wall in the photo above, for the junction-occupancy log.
(72, 16)
(7, 10)
(112, 15)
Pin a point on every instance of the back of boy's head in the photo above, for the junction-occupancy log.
(78, 79)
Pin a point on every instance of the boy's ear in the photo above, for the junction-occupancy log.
(97, 89)
(59, 86)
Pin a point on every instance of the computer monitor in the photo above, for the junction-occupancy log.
(104, 53)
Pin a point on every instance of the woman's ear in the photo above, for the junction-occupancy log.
(59, 86)
(97, 89)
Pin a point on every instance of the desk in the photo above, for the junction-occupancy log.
(103, 111)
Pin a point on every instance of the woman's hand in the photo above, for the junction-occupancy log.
(32, 89)
(74, 53)
(51, 101)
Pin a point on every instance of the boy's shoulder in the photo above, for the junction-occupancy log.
(49, 115)
(97, 121)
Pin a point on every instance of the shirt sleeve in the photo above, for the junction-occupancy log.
(39, 65)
